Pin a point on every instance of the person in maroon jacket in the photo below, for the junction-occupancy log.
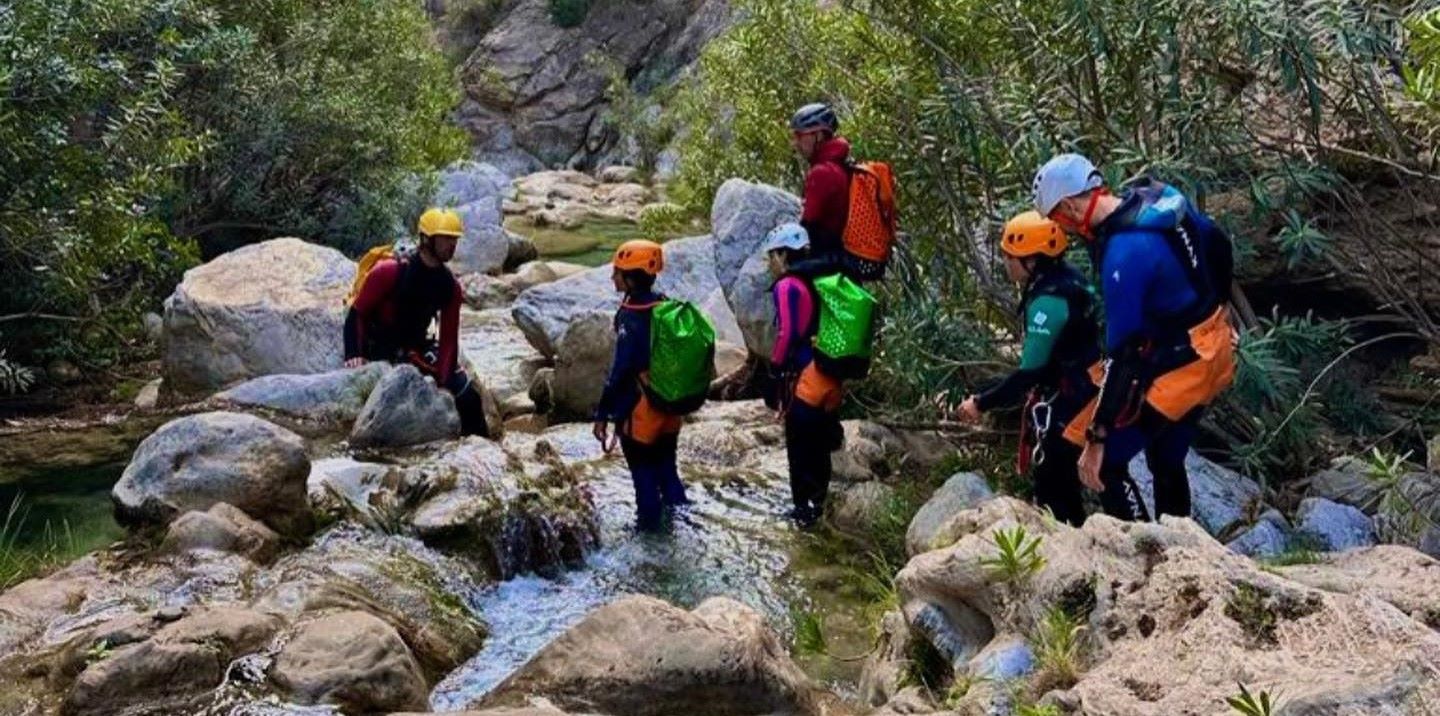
(400, 297)
(826, 199)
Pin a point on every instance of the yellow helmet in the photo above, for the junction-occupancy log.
(1030, 233)
(640, 254)
(440, 222)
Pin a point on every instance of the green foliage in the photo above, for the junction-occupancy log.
(1422, 72)
(644, 128)
(137, 132)
(1405, 504)
(809, 632)
(1017, 558)
(1037, 710)
(1057, 643)
(14, 378)
(1277, 118)
(1248, 704)
(569, 13)
(1268, 414)
(661, 221)
(20, 561)
(99, 651)
(1300, 241)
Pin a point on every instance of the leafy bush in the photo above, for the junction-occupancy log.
(138, 133)
(661, 221)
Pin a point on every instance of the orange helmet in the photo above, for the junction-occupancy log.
(640, 254)
(1030, 233)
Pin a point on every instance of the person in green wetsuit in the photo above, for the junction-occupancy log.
(1061, 342)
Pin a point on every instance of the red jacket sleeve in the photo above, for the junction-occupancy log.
(449, 336)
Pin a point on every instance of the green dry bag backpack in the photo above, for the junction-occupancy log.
(847, 327)
(682, 357)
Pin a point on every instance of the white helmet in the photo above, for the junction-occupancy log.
(787, 236)
(1063, 177)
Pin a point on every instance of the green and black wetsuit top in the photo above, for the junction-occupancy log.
(1061, 342)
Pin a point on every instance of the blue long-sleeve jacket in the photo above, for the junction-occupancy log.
(632, 357)
(1145, 288)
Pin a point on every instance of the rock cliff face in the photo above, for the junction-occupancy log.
(535, 92)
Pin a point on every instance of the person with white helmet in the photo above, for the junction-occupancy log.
(807, 400)
(1164, 269)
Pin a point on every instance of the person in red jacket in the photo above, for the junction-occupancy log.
(390, 318)
(826, 198)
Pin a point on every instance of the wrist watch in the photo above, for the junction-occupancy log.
(1096, 434)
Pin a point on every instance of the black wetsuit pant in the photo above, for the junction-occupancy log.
(1165, 443)
(811, 434)
(656, 476)
(1056, 478)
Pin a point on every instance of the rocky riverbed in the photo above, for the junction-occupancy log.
(301, 538)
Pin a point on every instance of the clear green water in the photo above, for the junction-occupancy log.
(54, 516)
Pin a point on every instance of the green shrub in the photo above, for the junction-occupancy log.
(140, 135)
(1057, 642)
(662, 221)
(1017, 556)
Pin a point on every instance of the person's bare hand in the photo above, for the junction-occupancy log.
(1090, 460)
(970, 410)
(355, 362)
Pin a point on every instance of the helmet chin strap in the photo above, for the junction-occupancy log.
(1085, 226)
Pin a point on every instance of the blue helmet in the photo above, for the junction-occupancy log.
(787, 236)
(814, 117)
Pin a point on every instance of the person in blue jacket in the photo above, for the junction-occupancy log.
(648, 436)
(1164, 270)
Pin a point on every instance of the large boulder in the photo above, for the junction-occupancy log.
(267, 308)
(642, 656)
(930, 528)
(1220, 498)
(1156, 601)
(406, 408)
(570, 320)
(153, 666)
(353, 660)
(740, 217)
(513, 511)
(476, 191)
(195, 462)
(466, 182)
(334, 396)
(534, 95)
